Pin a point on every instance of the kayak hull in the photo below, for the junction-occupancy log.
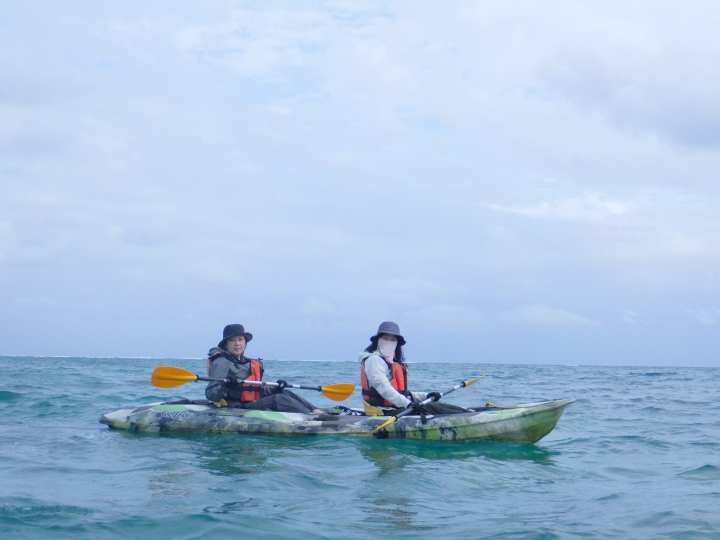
(526, 423)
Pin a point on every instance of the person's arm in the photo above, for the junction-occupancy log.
(376, 371)
(219, 369)
(419, 396)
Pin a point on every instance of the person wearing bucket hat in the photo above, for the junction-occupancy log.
(384, 377)
(228, 363)
(234, 330)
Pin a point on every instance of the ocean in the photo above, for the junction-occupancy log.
(636, 456)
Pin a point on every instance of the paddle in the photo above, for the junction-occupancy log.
(411, 407)
(170, 377)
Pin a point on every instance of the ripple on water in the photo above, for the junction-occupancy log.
(610, 497)
(705, 472)
(6, 396)
(37, 514)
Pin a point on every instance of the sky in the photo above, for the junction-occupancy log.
(510, 182)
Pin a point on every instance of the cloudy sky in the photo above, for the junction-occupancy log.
(512, 182)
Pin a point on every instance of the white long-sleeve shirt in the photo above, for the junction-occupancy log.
(378, 373)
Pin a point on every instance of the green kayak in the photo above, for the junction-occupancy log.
(526, 423)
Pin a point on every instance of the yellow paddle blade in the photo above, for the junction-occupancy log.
(386, 424)
(473, 381)
(170, 377)
(338, 392)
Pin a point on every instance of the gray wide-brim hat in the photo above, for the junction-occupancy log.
(232, 330)
(389, 327)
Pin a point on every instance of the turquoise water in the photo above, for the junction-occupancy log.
(637, 456)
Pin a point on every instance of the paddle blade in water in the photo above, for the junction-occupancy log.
(170, 377)
(339, 391)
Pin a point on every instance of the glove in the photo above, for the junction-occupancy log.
(231, 381)
(435, 396)
(282, 385)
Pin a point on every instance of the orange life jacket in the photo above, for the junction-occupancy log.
(399, 381)
(256, 372)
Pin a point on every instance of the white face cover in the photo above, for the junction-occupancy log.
(387, 347)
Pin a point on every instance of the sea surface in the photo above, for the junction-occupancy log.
(637, 456)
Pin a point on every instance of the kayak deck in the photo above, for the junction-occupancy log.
(525, 423)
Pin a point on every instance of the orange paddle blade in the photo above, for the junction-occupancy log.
(170, 377)
(339, 391)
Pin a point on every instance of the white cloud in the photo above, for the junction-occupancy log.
(589, 208)
(6, 235)
(409, 290)
(630, 316)
(661, 244)
(35, 302)
(313, 306)
(220, 272)
(445, 317)
(538, 315)
(706, 316)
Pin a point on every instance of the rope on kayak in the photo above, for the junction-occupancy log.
(488, 404)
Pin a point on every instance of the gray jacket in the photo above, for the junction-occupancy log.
(221, 367)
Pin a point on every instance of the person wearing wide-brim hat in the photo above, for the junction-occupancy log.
(384, 377)
(227, 363)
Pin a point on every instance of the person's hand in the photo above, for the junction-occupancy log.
(435, 396)
(231, 381)
(413, 405)
(282, 384)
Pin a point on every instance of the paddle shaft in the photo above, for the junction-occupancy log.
(262, 383)
(416, 407)
(428, 400)
(170, 377)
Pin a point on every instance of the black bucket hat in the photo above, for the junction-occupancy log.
(232, 330)
(391, 328)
